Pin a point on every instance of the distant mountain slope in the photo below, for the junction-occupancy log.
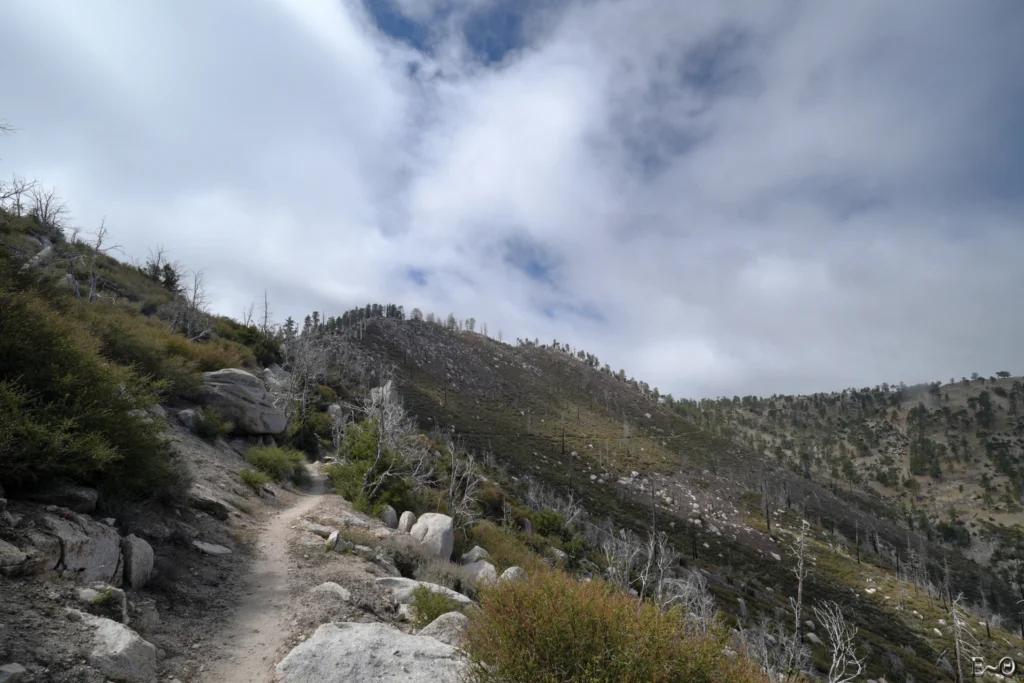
(698, 472)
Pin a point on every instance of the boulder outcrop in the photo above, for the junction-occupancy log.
(436, 532)
(241, 398)
(371, 653)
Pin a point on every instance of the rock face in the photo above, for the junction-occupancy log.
(364, 653)
(406, 521)
(76, 498)
(436, 532)
(119, 652)
(449, 628)
(138, 561)
(89, 550)
(513, 574)
(402, 589)
(202, 498)
(475, 555)
(481, 572)
(241, 398)
(389, 517)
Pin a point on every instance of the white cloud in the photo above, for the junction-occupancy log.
(756, 197)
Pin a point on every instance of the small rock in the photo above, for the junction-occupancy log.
(481, 572)
(211, 548)
(389, 517)
(331, 588)
(318, 529)
(777, 557)
(513, 574)
(11, 673)
(475, 555)
(406, 522)
(449, 628)
(809, 624)
(559, 556)
(104, 601)
(812, 638)
(11, 558)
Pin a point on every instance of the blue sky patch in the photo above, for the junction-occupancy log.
(530, 258)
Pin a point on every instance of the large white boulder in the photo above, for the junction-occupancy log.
(436, 532)
(402, 589)
(406, 521)
(449, 628)
(242, 398)
(138, 561)
(119, 652)
(371, 653)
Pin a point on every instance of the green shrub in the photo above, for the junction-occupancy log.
(280, 464)
(363, 467)
(309, 430)
(428, 605)
(549, 523)
(210, 426)
(66, 412)
(254, 479)
(553, 628)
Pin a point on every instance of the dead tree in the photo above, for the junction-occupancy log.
(801, 570)
(846, 665)
(98, 250)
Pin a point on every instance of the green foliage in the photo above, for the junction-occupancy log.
(265, 348)
(371, 476)
(210, 426)
(66, 412)
(254, 479)
(549, 523)
(428, 605)
(280, 464)
(309, 430)
(589, 631)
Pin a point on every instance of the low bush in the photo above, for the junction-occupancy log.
(280, 464)
(210, 426)
(66, 412)
(407, 554)
(254, 479)
(428, 605)
(589, 631)
(309, 430)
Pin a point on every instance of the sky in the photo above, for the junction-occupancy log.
(739, 197)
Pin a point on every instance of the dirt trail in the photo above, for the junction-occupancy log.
(251, 642)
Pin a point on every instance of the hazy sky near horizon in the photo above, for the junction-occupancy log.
(722, 198)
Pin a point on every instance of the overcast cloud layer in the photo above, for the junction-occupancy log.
(722, 198)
